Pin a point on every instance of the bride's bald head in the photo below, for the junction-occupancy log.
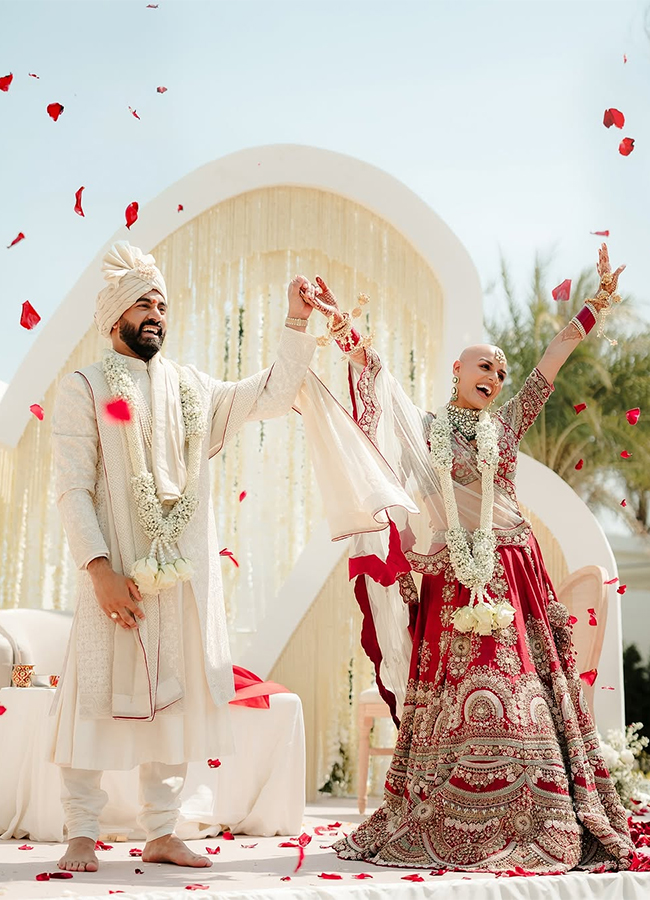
(481, 370)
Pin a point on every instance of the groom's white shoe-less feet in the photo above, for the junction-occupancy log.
(80, 856)
(171, 849)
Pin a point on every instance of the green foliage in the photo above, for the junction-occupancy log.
(636, 679)
(609, 379)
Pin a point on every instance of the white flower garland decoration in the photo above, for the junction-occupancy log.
(474, 567)
(162, 568)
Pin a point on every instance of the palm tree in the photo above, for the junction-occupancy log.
(609, 379)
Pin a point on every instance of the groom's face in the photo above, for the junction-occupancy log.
(142, 328)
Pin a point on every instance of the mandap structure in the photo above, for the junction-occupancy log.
(250, 221)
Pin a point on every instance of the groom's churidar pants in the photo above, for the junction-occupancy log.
(160, 796)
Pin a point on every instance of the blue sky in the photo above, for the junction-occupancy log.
(491, 111)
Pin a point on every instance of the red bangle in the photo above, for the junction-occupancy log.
(585, 320)
(351, 340)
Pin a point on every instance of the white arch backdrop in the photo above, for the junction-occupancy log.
(250, 170)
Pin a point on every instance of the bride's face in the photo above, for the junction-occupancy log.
(481, 376)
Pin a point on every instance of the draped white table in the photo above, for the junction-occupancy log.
(259, 790)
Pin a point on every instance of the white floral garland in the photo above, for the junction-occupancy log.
(474, 566)
(162, 568)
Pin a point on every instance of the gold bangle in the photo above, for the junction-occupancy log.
(295, 321)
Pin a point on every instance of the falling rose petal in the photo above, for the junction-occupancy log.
(25, 847)
(37, 410)
(589, 677)
(118, 410)
(413, 877)
(5, 81)
(214, 763)
(304, 839)
(623, 502)
(3, 710)
(626, 146)
(331, 876)
(228, 836)
(134, 112)
(243, 496)
(179, 208)
(613, 117)
(562, 291)
(573, 620)
(579, 407)
(600, 233)
(626, 454)
(29, 318)
(152, 6)
(592, 617)
(607, 687)
(624, 58)
(19, 237)
(212, 851)
(362, 875)
(161, 89)
(54, 110)
(77, 201)
(139, 872)
(632, 415)
(611, 581)
(33, 75)
(621, 589)
(229, 554)
(135, 851)
(579, 464)
(197, 887)
(131, 214)
(301, 859)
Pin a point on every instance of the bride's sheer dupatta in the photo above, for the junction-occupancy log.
(414, 544)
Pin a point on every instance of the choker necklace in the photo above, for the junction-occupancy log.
(463, 419)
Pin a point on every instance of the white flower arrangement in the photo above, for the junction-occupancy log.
(162, 568)
(474, 566)
(620, 751)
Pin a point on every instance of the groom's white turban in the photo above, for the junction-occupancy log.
(130, 275)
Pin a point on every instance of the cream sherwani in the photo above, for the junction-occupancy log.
(182, 713)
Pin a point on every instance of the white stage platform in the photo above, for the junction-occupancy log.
(241, 870)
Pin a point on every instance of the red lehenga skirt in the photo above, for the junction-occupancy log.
(497, 763)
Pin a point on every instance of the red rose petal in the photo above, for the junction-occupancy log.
(179, 208)
(33, 75)
(592, 617)
(611, 581)
(289, 844)
(152, 6)
(77, 202)
(100, 845)
(334, 826)
(413, 877)
(621, 589)
(331, 876)
(5, 81)
(116, 892)
(25, 847)
(37, 410)
(590, 676)
(118, 410)
(3, 710)
(161, 90)
(301, 859)
(43, 876)
(248, 846)
(579, 464)
(624, 58)
(54, 110)
(607, 687)
(197, 887)
(572, 620)
(243, 496)
(623, 502)
(229, 554)
(626, 454)
(439, 872)
(228, 836)
(138, 872)
(304, 839)
(60, 874)
(579, 408)
(562, 291)
(19, 237)
(131, 214)
(362, 875)
(286, 878)
(135, 851)
(600, 233)
(214, 763)
(212, 851)
(134, 112)
(29, 318)
(632, 415)
(626, 146)
(613, 117)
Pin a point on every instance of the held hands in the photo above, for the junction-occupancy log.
(324, 301)
(115, 594)
(608, 281)
(301, 294)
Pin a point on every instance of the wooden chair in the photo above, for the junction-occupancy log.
(371, 707)
(582, 590)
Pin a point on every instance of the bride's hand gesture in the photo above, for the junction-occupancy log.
(324, 300)
(608, 281)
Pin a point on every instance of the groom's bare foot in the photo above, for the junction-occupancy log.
(80, 856)
(170, 849)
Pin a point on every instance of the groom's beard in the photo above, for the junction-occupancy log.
(144, 345)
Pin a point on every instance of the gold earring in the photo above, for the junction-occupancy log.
(454, 387)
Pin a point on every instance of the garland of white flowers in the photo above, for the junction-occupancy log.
(162, 568)
(474, 566)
